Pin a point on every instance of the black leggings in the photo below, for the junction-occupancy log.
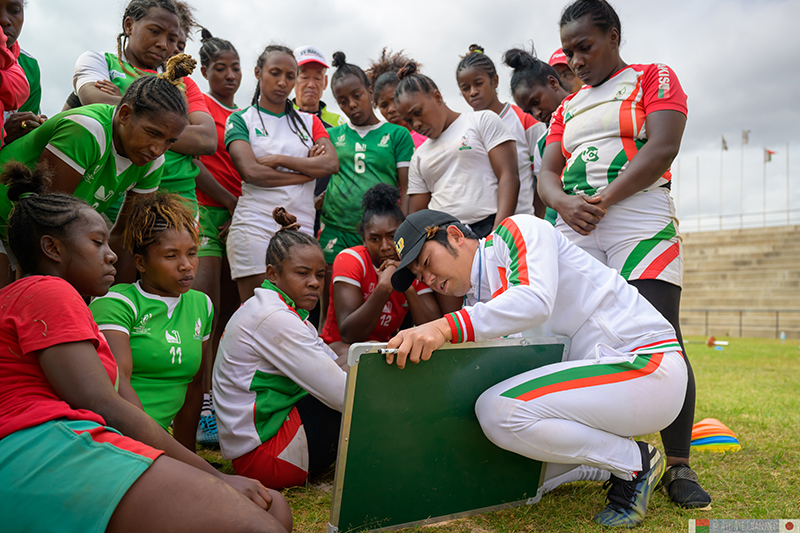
(666, 297)
(321, 424)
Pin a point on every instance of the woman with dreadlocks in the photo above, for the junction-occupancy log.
(158, 328)
(272, 362)
(101, 153)
(278, 152)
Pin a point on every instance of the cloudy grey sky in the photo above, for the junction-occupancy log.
(736, 60)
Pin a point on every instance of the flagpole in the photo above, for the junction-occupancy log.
(764, 196)
(698, 193)
(741, 183)
(787, 183)
(721, 151)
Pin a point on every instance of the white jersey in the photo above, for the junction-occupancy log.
(527, 274)
(269, 134)
(269, 358)
(455, 167)
(527, 131)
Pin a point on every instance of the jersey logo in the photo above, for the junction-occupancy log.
(228, 125)
(114, 74)
(387, 308)
(173, 337)
(360, 147)
(399, 245)
(100, 194)
(91, 173)
(140, 328)
(261, 133)
(384, 141)
(590, 154)
(340, 141)
(198, 329)
(331, 244)
(465, 143)
(621, 94)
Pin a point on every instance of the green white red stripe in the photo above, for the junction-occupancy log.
(669, 345)
(585, 376)
(651, 256)
(509, 232)
(460, 326)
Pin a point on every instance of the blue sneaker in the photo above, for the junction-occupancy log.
(207, 435)
(627, 500)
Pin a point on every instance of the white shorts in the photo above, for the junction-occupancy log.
(639, 238)
(583, 412)
(247, 248)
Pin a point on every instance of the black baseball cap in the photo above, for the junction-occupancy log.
(409, 239)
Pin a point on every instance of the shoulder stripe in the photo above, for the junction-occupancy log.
(355, 254)
(509, 232)
(122, 298)
(93, 126)
(349, 281)
(155, 165)
(66, 159)
(114, 327)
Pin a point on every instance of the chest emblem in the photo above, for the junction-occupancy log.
(261, 133)
(465, 143)
(141, 328)
(173, 337)
(590, 154)
(103, 195)
(340, 141)
(384, 141)
(361, 147)
(198, 329)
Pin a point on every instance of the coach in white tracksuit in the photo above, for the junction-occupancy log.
(624, 374)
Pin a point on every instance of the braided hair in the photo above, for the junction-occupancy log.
(212, 46)
(529, 70)
(137, 10)
(285, 238)
(343, 69)
(476, 57)
(383, 72)
(186, 18)
(382, 200)
(36, 213)
(296, 123)
(412, 81)
(161, 93)
(601, 13)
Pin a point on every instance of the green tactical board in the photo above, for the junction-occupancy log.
(411, 450)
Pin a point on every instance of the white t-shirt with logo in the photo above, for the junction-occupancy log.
(455, 167)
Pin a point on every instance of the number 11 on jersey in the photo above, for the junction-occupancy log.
(175, 351)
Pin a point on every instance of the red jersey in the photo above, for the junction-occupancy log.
(354, 266)
(39, 312)
(220, 164)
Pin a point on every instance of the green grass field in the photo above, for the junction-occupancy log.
(751, 386)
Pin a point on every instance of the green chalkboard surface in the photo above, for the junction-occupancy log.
(411, 450)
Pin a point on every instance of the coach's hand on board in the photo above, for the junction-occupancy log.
(581, 212)
(417, 344)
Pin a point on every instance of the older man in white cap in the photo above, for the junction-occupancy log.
(312, 80)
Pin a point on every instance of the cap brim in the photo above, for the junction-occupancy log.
(403, 277)
(312, 60)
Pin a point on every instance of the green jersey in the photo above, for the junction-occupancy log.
(367, 156)
(82, 138)
(34, 76)
(166, 336)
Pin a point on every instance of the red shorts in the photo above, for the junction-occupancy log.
(280, 462)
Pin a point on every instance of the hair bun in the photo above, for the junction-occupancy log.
(205, 35)
(518, 59)
(339, 60)
(179, 66)
(20, 180)
(476, 49)
(409, 69)
(286, 220)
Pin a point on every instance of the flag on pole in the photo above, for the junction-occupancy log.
(745, 136)
(724, 144)
(768, 155)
